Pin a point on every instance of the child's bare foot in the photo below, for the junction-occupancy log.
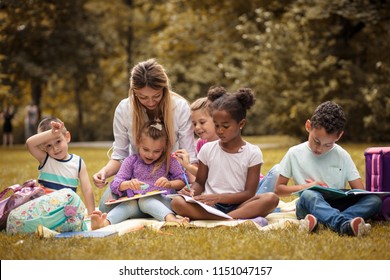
(98, 220)
(174, 219)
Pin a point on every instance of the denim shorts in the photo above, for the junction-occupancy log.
(226, 208)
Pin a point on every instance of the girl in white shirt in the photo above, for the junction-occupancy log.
(229, 168)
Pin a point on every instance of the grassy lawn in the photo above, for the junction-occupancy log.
(243, 242)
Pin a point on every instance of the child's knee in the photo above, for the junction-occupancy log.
(375, 201)
(177, 203)
(145, 203)
(274, 199)
(270, 198)
(309, 195)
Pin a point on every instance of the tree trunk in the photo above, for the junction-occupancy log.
(36, 94)
(80, 114)
(129, 36)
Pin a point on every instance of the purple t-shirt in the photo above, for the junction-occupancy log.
(133, 167)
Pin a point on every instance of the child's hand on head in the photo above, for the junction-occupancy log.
(56, 127)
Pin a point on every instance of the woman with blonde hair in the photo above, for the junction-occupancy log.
(150, 98)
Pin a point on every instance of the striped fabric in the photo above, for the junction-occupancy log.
(58, 174)
(376, 175)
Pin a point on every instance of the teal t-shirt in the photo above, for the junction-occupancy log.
(334, 168)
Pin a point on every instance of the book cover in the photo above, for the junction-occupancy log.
(89, 234)
(332, 193)
(137, 196)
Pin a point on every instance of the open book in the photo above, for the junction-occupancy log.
(208, 208)
(137, 196)
(332, 193)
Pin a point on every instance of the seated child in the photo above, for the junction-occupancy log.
(59, 174)
(320, 161)
(57, 168)
(204, 128)
(229, 168)
(151, 166)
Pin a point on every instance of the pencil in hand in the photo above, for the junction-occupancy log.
(184, 175)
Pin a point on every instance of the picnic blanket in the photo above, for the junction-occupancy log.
(284, 216)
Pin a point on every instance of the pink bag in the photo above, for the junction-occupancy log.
(378, 176)
(21, 194)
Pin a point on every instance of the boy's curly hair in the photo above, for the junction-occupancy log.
(330, 116)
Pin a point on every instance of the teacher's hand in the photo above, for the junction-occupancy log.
(99, 179)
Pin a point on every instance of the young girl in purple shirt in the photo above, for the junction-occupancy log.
(153, 167)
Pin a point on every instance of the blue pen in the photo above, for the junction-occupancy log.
(185, 177)
(184, 173)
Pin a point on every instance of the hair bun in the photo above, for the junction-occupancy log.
(246, 97)
(216, 92)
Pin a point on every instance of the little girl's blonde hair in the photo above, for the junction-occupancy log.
(201, 104)
(155, 129)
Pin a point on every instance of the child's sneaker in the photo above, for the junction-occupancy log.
(308, 224)
(358, 227)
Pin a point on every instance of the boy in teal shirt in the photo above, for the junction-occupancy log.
(320, 161)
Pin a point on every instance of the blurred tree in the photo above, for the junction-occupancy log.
(307, 52)
(197, 42)
(294, 54)
(62, 48)
(21, 62)
(112, 36)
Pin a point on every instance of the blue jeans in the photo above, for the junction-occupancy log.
(107, 195)
(157, 206)
(267, 184)
(336, 214)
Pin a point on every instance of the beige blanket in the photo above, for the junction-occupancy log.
(276, 220)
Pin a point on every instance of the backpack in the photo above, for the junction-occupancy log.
(21, 194)
(61, 211)
(378, 176)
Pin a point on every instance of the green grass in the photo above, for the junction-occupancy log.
(171, 243)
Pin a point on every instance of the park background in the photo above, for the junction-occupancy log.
(72, 58)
